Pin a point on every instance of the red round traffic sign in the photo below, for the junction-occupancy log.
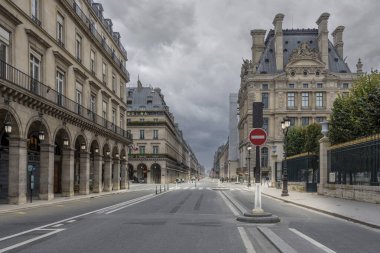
(258, 136)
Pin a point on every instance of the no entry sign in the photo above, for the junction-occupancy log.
(258, 136)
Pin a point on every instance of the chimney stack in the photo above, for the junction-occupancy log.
(258, 46)
(359, 67)
(338, 40)
(278, 40)
(323, 42)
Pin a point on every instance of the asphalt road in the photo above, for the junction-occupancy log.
(188, 219)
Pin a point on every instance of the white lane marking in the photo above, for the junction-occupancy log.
(247, 243)
(200, 188)
(71, 221)
(129, 205)
(31, 240)
(123, 203)
(186, 188)
(233, 209)
(54, 223)
(208, 188)
(312, 241)
(58, 225)
(276, 240)
(193, 188)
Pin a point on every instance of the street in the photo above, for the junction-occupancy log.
(188, 218)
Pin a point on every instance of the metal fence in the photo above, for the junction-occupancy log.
(355, 163)
(303, 168)
(17, 77)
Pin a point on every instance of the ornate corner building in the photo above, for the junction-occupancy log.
(159, 153)
(296, 73)
(63, 100)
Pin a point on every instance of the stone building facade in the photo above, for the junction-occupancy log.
(295, 73)
(62, 85)
(159, 153)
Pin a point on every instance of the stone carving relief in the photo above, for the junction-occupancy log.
(245, 67)
(304, 52)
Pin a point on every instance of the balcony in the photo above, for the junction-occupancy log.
(86, 21)
(47, 94)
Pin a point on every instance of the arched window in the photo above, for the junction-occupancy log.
(264, 157)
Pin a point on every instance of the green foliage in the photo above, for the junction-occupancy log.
(358, 114)
(303, 139)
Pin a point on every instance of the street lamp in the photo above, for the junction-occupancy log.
(249, 165)
(107, 153)
(325, 128)
(83, 146)
(7, 120)
(65, 141)
(285, 126)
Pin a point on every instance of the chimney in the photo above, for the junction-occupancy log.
(323, 41)
(338, 40)
(278, 41)
(359, 67)
(258, 46)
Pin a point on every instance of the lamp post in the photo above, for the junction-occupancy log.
(274, 165)
(249, 165)
(285, 126)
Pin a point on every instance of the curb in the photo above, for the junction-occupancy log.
(325, 212)
(60, 201)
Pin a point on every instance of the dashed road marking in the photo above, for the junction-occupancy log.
(247, 243)
(71, 221)
(58, 225)
(312, 241)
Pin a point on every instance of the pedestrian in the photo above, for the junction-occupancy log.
(267, 180)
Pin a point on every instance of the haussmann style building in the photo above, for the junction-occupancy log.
(159, 153)
(296, 73)
(63, 102)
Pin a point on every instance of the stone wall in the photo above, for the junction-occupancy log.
(296, 186)
(355, 192)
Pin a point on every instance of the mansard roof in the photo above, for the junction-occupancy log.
(139, 96)
(292, 39)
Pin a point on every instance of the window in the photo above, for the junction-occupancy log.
(104, 112)
(141, 120)
(121, 121)
(345, 85)
(293, 121)
(78, 97)
(264, 157)
(113, 83)
(305, 85)
(319, 85)
(128, 121)
(92, 61)
(60, 79)
(78, 47)
(4, 44)
(93, 105)
(291, 85)
(155, 149)
(266, 124)
(121, 90)
(104, 72)
(320, 119)
(155, 120)
(35, 11)
(142, 150)
(35, 71)
(291, 100)
(264, 86)
(265, 100)
(155, 134)
(142, 134)
(60, 23)
(305, 121)
(319, 99)
(114, 118)
(305, 99)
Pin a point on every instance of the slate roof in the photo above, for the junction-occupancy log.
(292, 38)
(141, 95)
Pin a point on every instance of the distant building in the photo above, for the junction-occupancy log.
(233, 137)
(296, 73)
(159, 153)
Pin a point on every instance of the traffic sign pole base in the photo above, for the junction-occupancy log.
(256, 216)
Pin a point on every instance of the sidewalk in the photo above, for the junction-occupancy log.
(360, 212)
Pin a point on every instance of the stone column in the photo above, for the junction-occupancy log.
(324, 144)
(123, 173)
(273, 165)
(97, 185)
(67, 172)
(17, 175)
(46, 171)
(84, 184)
(107, 174)
(116, 175)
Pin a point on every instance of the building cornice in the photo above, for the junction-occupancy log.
(9, 16)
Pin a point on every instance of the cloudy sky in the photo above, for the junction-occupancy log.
(193, 50)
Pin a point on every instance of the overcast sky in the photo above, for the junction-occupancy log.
(193, 50)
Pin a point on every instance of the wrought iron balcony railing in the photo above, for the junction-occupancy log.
(78, 11)
(31, 85)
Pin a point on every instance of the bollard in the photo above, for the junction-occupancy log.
(168, 187)
(156, 189)
(160, 188)
(195, 183)
(164, 188)
(128, 184)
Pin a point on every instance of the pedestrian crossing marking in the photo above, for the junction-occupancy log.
(200, 188)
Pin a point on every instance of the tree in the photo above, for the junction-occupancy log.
(295, 141)
(357, 114)
(312, 137)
